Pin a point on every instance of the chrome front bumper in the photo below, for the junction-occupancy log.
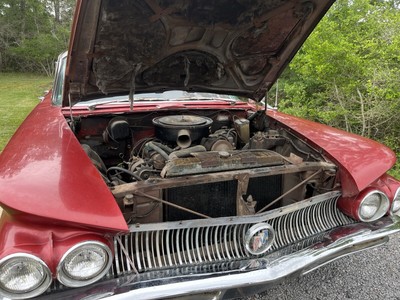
(244, 277)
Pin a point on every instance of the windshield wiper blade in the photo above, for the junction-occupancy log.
(230, 101)
(94, 105)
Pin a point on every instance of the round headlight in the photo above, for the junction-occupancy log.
(23, 276)
(373, 206)
(84, 264)
(395, 209)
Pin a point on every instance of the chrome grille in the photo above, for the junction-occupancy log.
(307, 222)
(187, 243)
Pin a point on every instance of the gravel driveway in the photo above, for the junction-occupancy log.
(370, 274)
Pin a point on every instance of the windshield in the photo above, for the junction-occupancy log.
(59, 80)
(183, 95)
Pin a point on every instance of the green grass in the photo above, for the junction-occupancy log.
(395, 171)
(18, 95)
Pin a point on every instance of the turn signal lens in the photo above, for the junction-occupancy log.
(23, 276)
(84, 264)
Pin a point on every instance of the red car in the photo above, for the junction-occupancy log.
(146, 173)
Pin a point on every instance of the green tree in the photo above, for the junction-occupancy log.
(347, 73)
(33, 33)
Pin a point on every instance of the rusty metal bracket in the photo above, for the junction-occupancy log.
(243, 183)
(127, 256)
(163, 183)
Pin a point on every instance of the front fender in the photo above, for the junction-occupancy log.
(45, 173)
(361, 161)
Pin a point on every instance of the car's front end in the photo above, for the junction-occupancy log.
(148, 174)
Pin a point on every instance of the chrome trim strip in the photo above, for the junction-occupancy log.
(235, 219)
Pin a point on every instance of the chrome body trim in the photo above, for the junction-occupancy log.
(262, 217)
(247, 276)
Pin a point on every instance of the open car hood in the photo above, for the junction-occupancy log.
(225, 46)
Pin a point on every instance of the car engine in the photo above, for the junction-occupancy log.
(181, 165)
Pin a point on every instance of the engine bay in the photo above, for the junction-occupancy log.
(181, 164)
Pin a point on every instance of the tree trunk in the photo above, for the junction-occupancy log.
(57, 13)
(22, 8)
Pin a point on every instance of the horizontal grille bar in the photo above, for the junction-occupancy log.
(161, 248)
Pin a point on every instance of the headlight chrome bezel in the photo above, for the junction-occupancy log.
(32, 292)
(396, 198)
(68, 280)
(380, 212)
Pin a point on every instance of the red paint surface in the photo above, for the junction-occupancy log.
(361, 161)
(44, 172)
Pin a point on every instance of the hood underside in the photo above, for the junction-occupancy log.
(229, 46)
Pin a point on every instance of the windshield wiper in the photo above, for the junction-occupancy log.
(94, 105)
(230, 101)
